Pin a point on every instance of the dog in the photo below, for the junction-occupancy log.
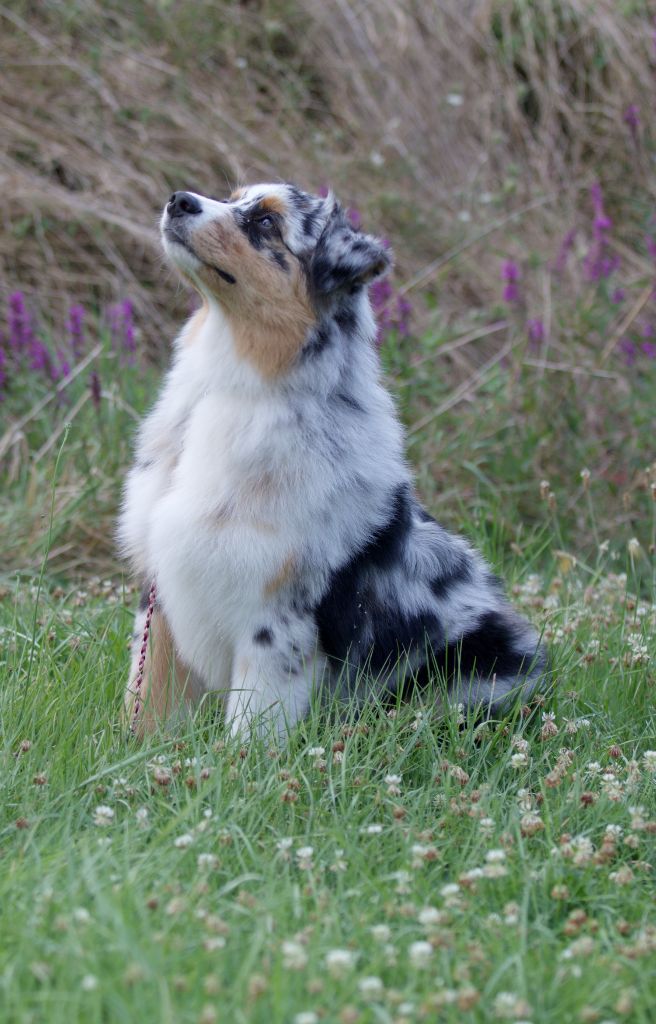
(270, 500)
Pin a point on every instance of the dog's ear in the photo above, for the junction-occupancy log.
(345, 259)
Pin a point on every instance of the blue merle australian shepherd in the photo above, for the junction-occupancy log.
(270, 501)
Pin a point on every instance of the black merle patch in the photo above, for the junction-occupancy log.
(458, 571)
(350, 401)
(144, 598)
(346, 318)
(490, 648)
(319, 340)
(280, 259)
(264, 637)
(351, 620)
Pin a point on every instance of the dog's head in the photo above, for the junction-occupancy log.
(280, 262)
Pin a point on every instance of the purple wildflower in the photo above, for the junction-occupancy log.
(120, 318)
(628, 349)
(354, 217)
(598, 264)
(510, 274)
(75, 328)
(632, 119)
(19, 323)
(94, 387)
(565, 248)
(403, 314)
(535, 331)
(649, 349)
(61, 369)
(618, 296)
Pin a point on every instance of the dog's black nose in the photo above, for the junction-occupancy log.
(181, 203)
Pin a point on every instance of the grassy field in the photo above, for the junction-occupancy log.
(406, 866)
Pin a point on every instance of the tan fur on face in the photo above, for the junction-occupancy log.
(269, 309)
(167, 681)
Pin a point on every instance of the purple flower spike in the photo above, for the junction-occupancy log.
(19, 323)
(354, 218)
(75, 328)
(632, 119)
(649, 349)
(94, 387)
(628, 350)
(566, 246)
(510, 274)
(120, 319)
(618, 296)
(535, 331)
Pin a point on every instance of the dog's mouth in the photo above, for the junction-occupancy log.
(171, 235)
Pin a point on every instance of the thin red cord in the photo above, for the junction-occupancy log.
(142, 657)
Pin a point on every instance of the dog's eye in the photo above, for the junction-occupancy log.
(266, 222)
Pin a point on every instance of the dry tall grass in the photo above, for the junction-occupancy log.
(422, 112)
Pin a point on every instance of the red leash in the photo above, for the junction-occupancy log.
(142, 657)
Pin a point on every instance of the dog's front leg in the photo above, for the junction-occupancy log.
(272, 682)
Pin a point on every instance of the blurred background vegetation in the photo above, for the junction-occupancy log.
(504, 147)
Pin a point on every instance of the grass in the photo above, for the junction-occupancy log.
(407, 866)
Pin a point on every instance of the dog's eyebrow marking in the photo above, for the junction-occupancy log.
(271, 204)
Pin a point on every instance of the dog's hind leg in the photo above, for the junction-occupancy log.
(168, 686)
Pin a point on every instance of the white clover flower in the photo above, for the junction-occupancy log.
(304, 857)
(582, 850)
(316, 751)
(419, 953)
(306, 1017)
(473, 875)
(339, 962)
(81, 915)
(339, 864)
(207, 861)
(430, 916)
(89, 983)
(454, 99)
(509, 1006)
(403, 881)
(285, 844)
(381, 932)
(294, 957)
(495, 856)
(393, 783)
(649, 760)
(183, 841)
(371, 830)
(449, 890)
(213, 942)
(371, 987)
(141, 815)
(103, 816)
(486, 825)
(519, 760)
